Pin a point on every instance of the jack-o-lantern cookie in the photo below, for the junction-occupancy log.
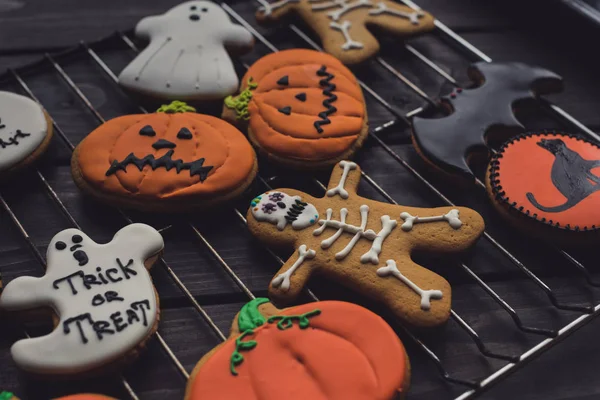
(363, 244)
(172, 160)
(187, 57)
(301, 108)
(104, 304)
(25, 131)
(323, 350)
(549, 184)
(344, 26)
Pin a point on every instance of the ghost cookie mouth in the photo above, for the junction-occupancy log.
(166, 161)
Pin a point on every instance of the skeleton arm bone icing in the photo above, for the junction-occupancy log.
(382, 8)
(267, 8)
(282, 280)
(452, 217)
(426, 295)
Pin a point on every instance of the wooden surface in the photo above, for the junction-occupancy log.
(507, 30)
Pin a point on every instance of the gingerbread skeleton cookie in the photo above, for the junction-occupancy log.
(448, 143)
(172, 160)
(102, 295)
(187, 56)
(25, 131)
(364, 244)
(343, 25)
(323, 350)
(301, 108)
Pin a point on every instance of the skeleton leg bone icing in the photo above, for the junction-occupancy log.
(268, 8)
(346, 7)
(382, 8)
(283, 280)
(426, 295)
(339, 189)
(452, 217)
(345, 29)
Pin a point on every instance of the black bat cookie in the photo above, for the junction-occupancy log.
(448, 142)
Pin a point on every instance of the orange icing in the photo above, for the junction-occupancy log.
(221, 144)
(525, 168)
(294, 135)
(86, 397)
(347, 352)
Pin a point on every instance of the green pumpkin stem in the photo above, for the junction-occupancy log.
(240, 102)
(176, 106)
(250, 317)
(6, 395)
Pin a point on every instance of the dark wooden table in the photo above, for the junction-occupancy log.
(536, 32)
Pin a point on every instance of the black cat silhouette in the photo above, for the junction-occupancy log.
(571, 175)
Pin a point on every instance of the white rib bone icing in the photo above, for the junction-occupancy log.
(382, 8)
(372, 255)
(426, 295)
(340, 189)
(452, 217)
(282, 280)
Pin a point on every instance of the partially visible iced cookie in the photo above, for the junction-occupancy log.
(25, 131)
(86, 396)
(187, 56)
(104, 302)
(323, 350)
(301, 108)
(7, 396)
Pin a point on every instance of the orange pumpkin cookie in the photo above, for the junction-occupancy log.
(363, 244)
(86, 397)
(325, 350)
(549, 185)
(344, 26)
(301, 108)
(171, 160)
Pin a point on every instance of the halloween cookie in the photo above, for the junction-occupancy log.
(344, 26)
(187, 56)
(172, 160)
(25, 131)
(324, 350)
(549, 185)
(86, 397)
(364, 244)
(448, 143)
(301, 108)
(102, 297)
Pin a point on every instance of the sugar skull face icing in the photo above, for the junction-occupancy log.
(280, 209)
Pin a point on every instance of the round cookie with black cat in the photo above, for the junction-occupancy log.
(548, 184)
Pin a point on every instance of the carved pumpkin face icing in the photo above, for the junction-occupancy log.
(323, 350)
(166, 158)
(302, 108)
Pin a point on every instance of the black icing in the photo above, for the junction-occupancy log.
(60, 245)
(193, 8)
(328, 88)
(163, 144)
(301, 96)
(284, 81)
(184, 133)
(194, 17)
(295, 210)
(81, 257)
(2, 126)
(77, 239)
(285, 110)
(147, 131)
(195, 167)
(12, 141)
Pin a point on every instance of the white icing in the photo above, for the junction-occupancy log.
(339, 189)
(382, 8)
(452, 217)
(279, 209)
(282, 280)
(345, 29)
(186, 58)
(113, 271)
(23, 128)
(426, 295)
(268, 8)
(371, 256)
(345, 6)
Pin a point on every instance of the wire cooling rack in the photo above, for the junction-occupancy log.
(388, 141)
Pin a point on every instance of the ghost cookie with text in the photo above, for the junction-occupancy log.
(25, 132)
(172, 160)
(322, 350)
(345, 26)
(480, 113)
(548, 184)
(102, 298)
(363, 244)
(187, 58)
(301, 108)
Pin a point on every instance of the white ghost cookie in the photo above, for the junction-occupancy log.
(103, 296)
(25, 131)
(187, 57)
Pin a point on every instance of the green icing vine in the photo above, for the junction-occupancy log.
(250, 318)
(240, 102)
(176, 106)
(6, 395)
(288, 321)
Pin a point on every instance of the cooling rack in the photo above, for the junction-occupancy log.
(212, 265)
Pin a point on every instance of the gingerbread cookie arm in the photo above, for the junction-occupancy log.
(294, 274)
(274, 10)
(344, 180)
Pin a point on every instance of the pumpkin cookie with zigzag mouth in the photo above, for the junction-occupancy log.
(172, 160)
(301, 108)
